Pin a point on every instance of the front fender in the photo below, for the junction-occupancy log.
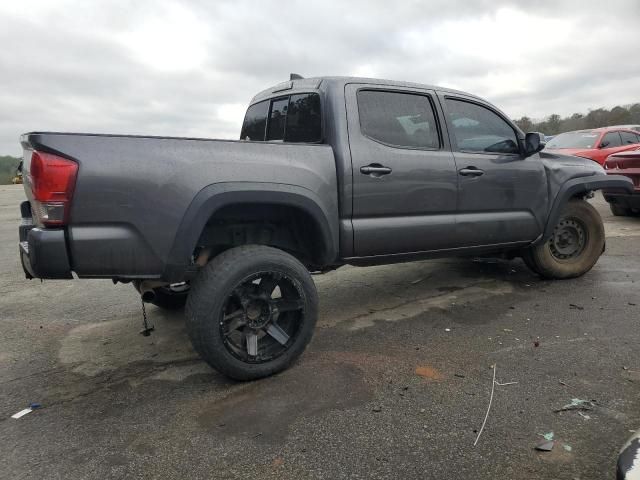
(580, 185)
(216, 196)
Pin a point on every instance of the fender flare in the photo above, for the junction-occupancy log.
(218, 195)
(574, 187)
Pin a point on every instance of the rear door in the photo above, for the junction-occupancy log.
(502, 197)
(404, 175)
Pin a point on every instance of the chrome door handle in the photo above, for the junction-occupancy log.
(471, 172)
(375, 169)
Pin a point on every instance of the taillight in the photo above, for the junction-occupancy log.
(52, 180)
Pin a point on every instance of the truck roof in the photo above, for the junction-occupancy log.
(339, 82)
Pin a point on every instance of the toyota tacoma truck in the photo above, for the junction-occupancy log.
(327, 171)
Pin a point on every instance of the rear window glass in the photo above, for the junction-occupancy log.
(255, 122)
(398, 119)
(277, 119)
(294, 118)
(629, 138)
(303, 119)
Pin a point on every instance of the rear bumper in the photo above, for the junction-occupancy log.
(43, 252)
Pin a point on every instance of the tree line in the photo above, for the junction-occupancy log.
(601, 117)
(8, 165)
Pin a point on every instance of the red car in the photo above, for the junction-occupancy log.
(596, 144)
(627, 164)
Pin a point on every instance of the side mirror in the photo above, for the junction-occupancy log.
(604, 144)
(534, 142)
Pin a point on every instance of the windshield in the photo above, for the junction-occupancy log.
(574, 140)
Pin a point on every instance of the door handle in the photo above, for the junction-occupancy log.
(375, 170)
(471, 172)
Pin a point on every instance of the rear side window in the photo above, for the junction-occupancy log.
(255, 122)
(611, 140)
(398, 119)
(277, 119)
(478, 129)
(629, 138)
(303, 119)
(294, 118)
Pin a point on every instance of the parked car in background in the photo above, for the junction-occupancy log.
(596, 144)
(633, 126)
(628, 164)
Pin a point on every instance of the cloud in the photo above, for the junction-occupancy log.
(183, 68)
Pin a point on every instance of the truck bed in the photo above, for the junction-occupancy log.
(133, 193)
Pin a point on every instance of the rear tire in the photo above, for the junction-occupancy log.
(620, 211)
(251, 311)
(575, 246)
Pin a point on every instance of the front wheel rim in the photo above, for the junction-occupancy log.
(262, 317)
(569, 239)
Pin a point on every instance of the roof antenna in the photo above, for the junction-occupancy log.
(295, 76)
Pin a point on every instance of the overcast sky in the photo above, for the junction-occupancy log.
(188, 68)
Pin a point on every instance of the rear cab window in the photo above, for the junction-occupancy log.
(291, 118)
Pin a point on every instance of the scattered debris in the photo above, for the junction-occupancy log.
(584, 415)
(567, 447)
(447, 329)
(563, 383)
(507, 330)
(422, 410)
(505, 384)
(573, 306)
(376, 409)
(493, 386)
(625, 368)
(459, 375)
(632, 304)
(32, 406)
(417, 281)
(576, 404)
(428, 373)
(545, 446)
(257, 435)
(547, 436)
(536, 343)
(22, 413)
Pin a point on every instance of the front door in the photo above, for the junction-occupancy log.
(502, 197)
(404, 175)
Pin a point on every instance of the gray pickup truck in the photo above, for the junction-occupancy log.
(328, 171)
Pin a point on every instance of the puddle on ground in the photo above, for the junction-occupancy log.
(414, 307)
(94, 348)
(264, 410)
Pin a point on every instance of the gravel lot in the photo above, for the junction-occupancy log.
(395, 384)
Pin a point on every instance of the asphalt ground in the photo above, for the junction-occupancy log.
(395, 384)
